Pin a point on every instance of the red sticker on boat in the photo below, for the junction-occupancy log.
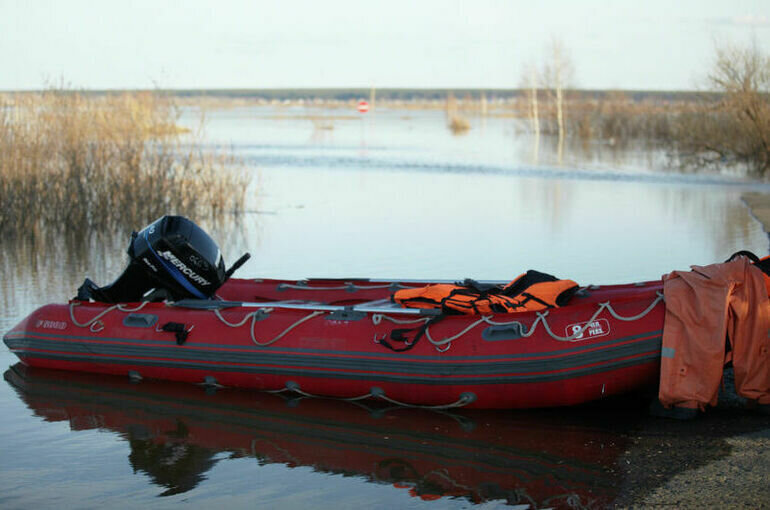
(597, 328)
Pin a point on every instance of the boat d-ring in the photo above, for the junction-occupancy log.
(179, 330)
(161, 330)
(96, 326)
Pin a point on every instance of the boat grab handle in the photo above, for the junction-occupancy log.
(512, 331)
(140, 320)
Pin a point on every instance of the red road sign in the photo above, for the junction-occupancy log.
(363, 106)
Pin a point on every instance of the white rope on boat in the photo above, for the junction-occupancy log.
(441, 345)
(528, 332)
(602, 306)
(281, 335)
(104, 312)
(448, 340)
(377, 318)
(239, 324)
(639, 316)
(264, 312)
(347, 286)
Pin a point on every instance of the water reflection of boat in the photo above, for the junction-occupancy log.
(176, 432)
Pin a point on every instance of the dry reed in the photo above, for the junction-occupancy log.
(72, 161)
(459, 125)
(456, 123)
(616, 118)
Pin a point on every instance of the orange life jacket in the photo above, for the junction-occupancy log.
(530, 291)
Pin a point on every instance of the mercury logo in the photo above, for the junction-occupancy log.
(184, 269)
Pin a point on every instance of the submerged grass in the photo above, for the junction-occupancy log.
(70, 161)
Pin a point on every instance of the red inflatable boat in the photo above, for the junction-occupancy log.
(174, 314)
(344, 339)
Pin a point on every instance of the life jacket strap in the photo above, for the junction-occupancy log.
(400, 335)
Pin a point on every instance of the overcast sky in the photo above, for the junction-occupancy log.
(648, 44)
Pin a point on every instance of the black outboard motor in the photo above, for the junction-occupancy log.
(172, 257)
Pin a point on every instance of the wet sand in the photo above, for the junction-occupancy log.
(719, 460)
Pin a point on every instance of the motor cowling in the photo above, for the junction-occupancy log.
(172, 258)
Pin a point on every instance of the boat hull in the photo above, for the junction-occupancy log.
(461, 361)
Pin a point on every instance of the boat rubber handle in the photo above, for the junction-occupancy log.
(238, 263)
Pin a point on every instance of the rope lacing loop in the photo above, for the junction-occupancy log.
(448, 340)
(262, 311)
(294, 325)
(94, 321)
(261, 314)
(377, 318)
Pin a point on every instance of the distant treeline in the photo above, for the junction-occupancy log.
(403, 94)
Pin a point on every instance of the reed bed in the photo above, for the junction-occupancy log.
(616, 118)
(70, 161)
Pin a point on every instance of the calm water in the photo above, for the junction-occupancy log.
(386, 195)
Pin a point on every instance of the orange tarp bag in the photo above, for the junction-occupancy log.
(703, 307)
(764, 265)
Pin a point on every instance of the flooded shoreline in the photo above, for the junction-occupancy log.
(371, 198)
(759, 206)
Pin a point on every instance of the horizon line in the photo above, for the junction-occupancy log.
(340, 89)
